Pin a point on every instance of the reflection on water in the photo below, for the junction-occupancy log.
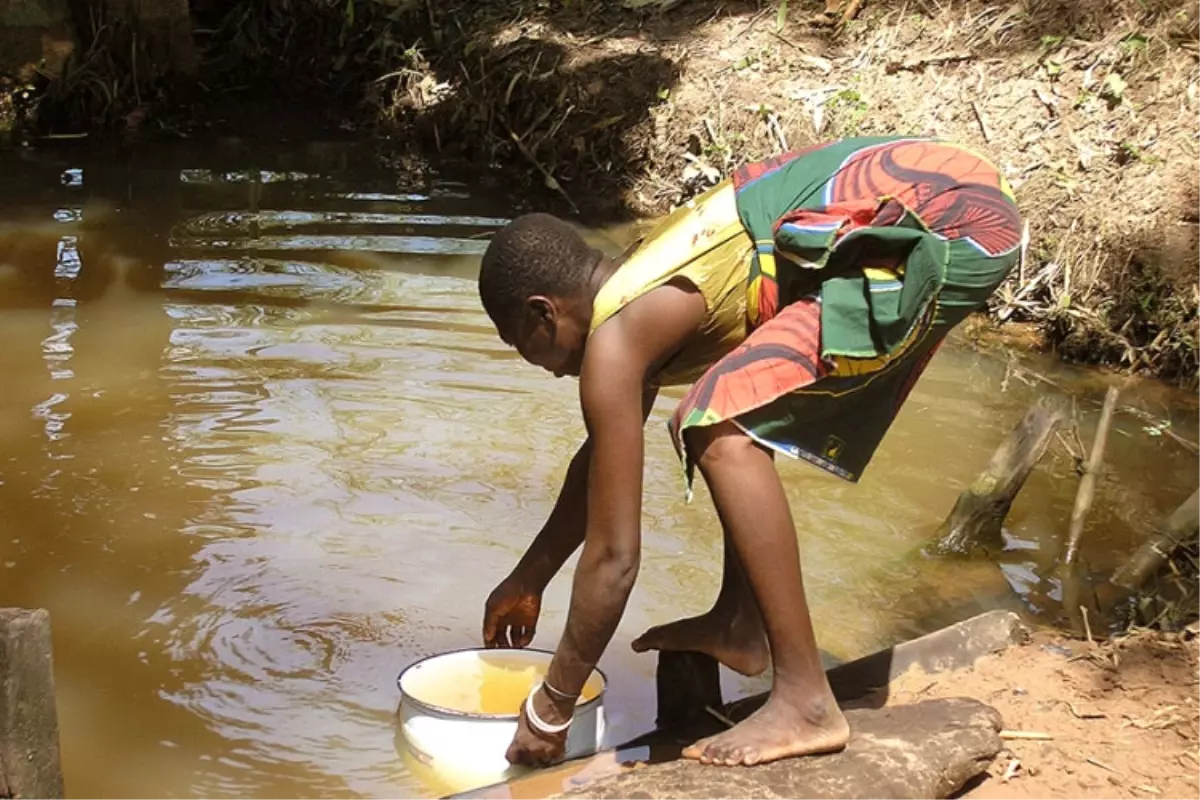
(261, 450)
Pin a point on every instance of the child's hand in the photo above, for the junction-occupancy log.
(532, 747)
(511, 614)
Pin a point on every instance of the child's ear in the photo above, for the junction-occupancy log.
(542, 307)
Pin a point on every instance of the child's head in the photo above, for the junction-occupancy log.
(536, 285)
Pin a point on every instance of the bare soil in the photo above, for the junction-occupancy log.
(1114, 719)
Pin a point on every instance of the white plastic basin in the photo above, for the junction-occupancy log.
(462, 748)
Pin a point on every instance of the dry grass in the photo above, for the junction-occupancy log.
(1089, 107)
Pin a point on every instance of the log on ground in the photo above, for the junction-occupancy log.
(928, 749)
(693, 685)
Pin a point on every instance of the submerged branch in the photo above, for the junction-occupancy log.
(979, 513)
(1087, 484)
(1181, 527)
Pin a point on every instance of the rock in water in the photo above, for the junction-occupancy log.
(925, 750)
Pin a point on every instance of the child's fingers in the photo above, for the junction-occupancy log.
(522, 636)
(490, 625)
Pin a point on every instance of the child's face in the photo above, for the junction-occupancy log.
(549, 336)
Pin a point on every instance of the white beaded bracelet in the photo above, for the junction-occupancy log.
(538, 722)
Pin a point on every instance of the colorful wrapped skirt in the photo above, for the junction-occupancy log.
(888, 244)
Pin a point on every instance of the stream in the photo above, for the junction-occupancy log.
(260, 449)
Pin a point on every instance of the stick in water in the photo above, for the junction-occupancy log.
(1087, 484)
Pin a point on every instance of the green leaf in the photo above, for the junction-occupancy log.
(1051, 41)
(781, 15)
(1134, 42)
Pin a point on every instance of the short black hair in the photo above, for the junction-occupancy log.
(533, 254)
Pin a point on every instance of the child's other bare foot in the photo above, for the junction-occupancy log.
(777, 730)
(734, 638)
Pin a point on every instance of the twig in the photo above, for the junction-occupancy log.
(1082, 714)
(1045, 275)
(1048, 100)
(749, 25)
(1187, 444)
(983, 126)
(1098, 763)
(600, 37)
(721, 717)
(1087, 627)
(815, 62)
(1033, 736)
(773, 123)
(1075, 456)
(1087, 484)
(551, 181)
(916, 64)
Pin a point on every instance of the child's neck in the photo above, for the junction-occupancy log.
(600, 275)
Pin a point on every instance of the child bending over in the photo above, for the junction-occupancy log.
(800, 300)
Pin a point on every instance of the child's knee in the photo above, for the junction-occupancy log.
(712, 445)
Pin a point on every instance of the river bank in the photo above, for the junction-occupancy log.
(1016, 711)
(606, 110)
(1116, 718)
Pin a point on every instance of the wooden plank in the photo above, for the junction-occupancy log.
(687, 684)
(29, 751)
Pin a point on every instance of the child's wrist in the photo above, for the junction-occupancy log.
(532, 575)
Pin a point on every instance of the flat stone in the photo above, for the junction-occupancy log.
(925, 750)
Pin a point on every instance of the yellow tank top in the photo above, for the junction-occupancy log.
(704, 243)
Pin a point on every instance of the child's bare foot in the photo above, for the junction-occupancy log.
(734, 638)
(777, 730)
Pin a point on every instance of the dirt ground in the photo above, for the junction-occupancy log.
(1113, 719)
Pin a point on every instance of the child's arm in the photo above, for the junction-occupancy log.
(621, 356)
(510, 617)
(563, 532)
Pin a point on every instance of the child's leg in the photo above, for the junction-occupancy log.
(801, 716)
(731, 631)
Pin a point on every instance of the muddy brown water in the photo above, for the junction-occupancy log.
(260, 450)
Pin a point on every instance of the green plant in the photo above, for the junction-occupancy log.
(849, 109)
